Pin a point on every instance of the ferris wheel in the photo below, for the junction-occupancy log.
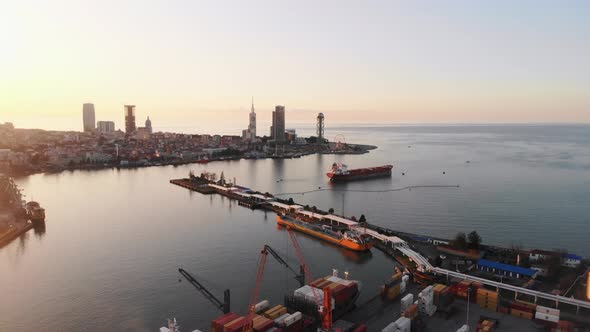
(340, 141)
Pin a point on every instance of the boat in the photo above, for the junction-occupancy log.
(203, 161)
(340, 172)
(341, 236)
(35, 212)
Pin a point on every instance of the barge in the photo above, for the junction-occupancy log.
(346, 238)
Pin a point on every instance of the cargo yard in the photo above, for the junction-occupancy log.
(418, 297)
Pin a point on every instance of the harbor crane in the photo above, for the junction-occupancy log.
(223, 306)
(300, 277)
(325, 309)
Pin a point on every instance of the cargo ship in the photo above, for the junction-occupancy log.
(340, 172)
(344, 237)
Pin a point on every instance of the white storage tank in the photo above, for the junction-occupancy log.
(292, 319)
(261, 306)
(281, 320)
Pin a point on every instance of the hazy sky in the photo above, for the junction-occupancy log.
(192, 62)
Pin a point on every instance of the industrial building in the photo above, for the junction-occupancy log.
(505, 269)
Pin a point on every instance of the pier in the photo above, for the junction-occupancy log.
(386, 240)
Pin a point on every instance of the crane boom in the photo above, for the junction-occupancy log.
(223, 306)
(298, 276)
(259, 275)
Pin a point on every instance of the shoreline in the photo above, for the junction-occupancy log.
(362, 149)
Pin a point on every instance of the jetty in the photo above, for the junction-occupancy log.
(390, 242)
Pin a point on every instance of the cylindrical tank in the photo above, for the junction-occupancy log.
(292, 319)
(261, 306)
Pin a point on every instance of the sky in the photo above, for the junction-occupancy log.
(197, 64)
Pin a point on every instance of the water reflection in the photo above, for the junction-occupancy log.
(39, 229)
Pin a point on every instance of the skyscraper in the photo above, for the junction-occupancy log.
(277, 130)
(148, 125)
(129, 119)
(252, 123)
(88, 119)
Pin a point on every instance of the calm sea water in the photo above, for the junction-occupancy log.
(114, 239)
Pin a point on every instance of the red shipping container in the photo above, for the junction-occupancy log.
(362, 328)
(217, 324)
(295, 327)
(521, 307)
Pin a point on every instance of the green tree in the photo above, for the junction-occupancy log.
(291, 202)
(362, 219)
(460, 241)
(331, 210)
(474, 240)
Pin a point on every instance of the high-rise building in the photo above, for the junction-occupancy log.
(105, 127)
(129, 119)
(250, 133)
(148, 124)
(88, 119)
(320, 127)
(277, 130)
(252, 122)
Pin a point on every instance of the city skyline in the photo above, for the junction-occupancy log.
(422, 62)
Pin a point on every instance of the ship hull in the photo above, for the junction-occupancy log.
(345, 243)
(361, 174)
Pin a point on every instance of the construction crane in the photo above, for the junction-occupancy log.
(326, 309)
(254, 299)
(223, 306)
(298, 276)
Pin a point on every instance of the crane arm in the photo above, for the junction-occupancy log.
(298, 276)
(223, 306)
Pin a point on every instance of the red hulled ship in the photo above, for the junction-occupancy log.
(340, 172)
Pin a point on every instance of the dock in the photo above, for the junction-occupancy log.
(388, 241)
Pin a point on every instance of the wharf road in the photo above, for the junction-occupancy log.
(517, 290)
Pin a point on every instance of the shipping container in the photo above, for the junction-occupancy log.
(261, 306)
(217, 324)
(235, 325)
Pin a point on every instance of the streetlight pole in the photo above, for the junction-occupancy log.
(468, 300)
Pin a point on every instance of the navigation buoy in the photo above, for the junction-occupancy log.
(403, 173)
(444, 172)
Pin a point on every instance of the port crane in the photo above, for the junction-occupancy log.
(223, 306)
(299, 277)
(326, 309)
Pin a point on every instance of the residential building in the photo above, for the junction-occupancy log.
(130, 119)
(105, 127)
(88, 117)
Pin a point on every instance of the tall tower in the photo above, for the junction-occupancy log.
(88, 118)
(277, 131)
(320, 127)
(252, 123)
(129, 119)
(148, 124)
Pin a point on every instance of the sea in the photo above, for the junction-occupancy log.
(114, 239)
